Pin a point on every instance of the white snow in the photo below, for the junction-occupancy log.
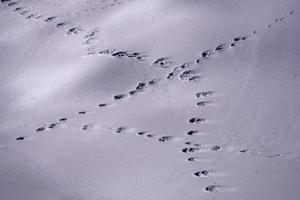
(121, 99)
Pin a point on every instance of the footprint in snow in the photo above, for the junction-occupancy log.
(61, 24)
(120, 96)
(50, 19)
(202, 103)
(196, 120)
(190, 150)
(162, 63)
(204, 94)
(121, 129)
(165, 139)
(74, 31)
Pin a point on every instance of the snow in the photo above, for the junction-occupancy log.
(149, 99)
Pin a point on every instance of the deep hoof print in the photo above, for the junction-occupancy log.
(196, 120)
(40, 129)
(74, 31)
(163, 63)
(204, 94)
(121, 129)
(120, 96)
(50, 19)
(212, 188)
(165, 139)
(203, 173)
(190, 150)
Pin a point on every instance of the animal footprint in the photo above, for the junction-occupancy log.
(165, 139)
(163, 63)
(102, 105)
(203, 173)
(204, 94)
(40, 129)
(216, 148)
(121, 129)
(221, 47)
(193, 133)
(190, 150)
(212, 188)
(62, 119)
(61, 24)
(187, 74)
(74, 31)
(197, 159)
(53, 125)
(49, 19)
(120, 96)
(87, 127)
(11, 4)
(194, 78)
(20, 138)
(196, 120)
(202, 103)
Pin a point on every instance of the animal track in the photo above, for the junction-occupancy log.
(50, 19)
(74, 31)
(193, 133)
(165, 139)
(120, 96)
(212, 188)
(20, 138)
(127, 54)
(187, 74)
(203, 173)
(204, 94)
(202, 103)
(40, 129)
(61, 24)
(190, 150)
(163, 63)
(121, 129)
(196, 120)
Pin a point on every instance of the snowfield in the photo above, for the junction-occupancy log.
(149, 99)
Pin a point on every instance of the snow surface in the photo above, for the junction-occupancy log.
(149, 99)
